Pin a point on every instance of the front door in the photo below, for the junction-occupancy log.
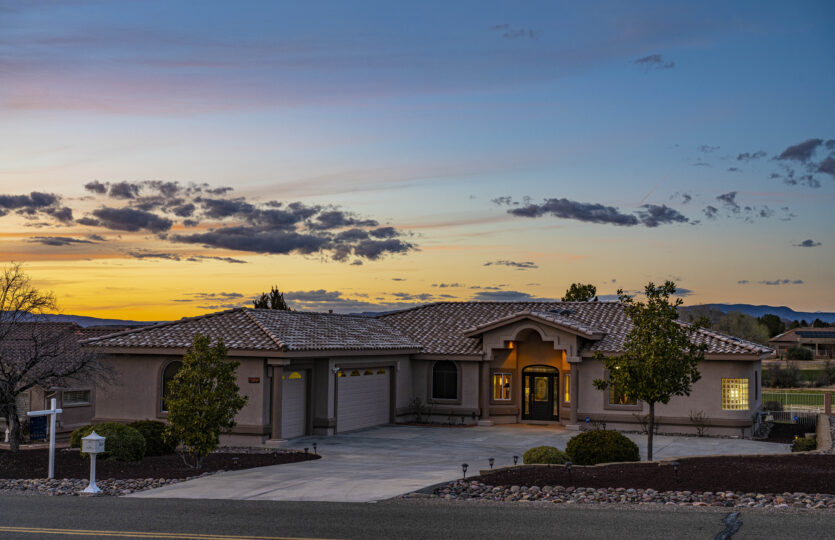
(540, 395)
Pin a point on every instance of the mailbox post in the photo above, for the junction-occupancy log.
(92, 444)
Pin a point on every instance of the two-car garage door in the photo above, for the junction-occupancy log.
(363, 398)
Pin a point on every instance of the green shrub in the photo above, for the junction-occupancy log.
(75, 436)
(152, 431)
(798, 352)
(804, 444)
(544, 454)
(122, 443)
(599, 446)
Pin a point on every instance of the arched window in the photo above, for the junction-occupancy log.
(167, 375)
(445, 380)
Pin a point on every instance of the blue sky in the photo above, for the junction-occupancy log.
(617, 125)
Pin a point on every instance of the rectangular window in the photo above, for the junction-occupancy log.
(618, 397)
(567, 383)
(76, 397)
(734, 394)
(502, 386)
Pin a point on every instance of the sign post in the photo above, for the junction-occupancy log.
(92, 444)
(52, 412)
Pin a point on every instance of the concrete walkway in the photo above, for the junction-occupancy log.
(386, 461)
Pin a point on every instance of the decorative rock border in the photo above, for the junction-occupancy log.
(473, 491)
(74, 486)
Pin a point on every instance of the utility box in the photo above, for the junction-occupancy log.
(92, 443)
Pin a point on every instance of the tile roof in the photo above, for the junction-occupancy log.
(267, 330)
(441, 327)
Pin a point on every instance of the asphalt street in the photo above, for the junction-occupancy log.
(29, 517)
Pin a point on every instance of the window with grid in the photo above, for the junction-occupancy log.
(734, 394)
(76, 397)
(501, 386)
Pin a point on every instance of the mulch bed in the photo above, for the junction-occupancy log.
(70, 464)
(809, 473)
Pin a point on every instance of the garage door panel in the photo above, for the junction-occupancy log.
(364, 400)
(294, 405)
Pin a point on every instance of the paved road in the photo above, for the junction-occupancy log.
(59, 518)
(386, 461)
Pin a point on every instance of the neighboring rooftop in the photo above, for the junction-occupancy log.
(804, 333)
(266, 330)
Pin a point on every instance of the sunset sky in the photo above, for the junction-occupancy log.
(167, 159)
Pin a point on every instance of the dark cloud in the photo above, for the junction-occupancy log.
(802, 151)
(152, 255)
(201, 258)
(130, 219)
(124, 190)
(746, 156)
(686, 198)
(702, 164)
(90, 222)
(384, 232)
(447, 285)
(734, 169)
(58, 240)
(729, 201)
(710, 212)
(214, 296)
(62, 214)
(782, 282)
(743, 282)
(654, 61)
(96, 187)
(567, 209)
(521, 265)
(505, 296)
(681, 291)
(184, 210)
(223, 208)
(337, 219)
(515, 33)
(653, 215)
(827, 166)
(28, 203)
(96, 237)
(502, 201)
(257, 240)
(373, 249)
(808, 244)
(707, 149)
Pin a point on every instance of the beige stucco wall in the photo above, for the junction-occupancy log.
(674, 417)
(468, 391)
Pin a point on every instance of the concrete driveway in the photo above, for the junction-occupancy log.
(386, 461)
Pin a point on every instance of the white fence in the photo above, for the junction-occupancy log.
(794, 402)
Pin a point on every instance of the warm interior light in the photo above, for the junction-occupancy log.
(510, 345)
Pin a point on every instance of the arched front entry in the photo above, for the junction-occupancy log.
(540, 392)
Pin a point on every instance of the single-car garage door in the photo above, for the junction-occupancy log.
(293, 404)
(363, 398)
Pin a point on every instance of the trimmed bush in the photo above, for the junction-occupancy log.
(122, 443)
(805, 444)
(544, 454)
(600, 446)
(75, 436)
(155, 444)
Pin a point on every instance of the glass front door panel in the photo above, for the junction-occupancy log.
(540, 389)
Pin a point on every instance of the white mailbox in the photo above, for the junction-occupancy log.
(92, 443)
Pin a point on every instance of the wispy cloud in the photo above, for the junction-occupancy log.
(519, 265)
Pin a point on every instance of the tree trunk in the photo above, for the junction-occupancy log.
(13, 423)
(651, 430)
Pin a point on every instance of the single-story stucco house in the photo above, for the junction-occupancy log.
(462, 362)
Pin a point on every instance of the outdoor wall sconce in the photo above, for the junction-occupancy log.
(568, 467)
(464, 468)
(491, 460)
(335, 369)
(515, 459)
(675, 465)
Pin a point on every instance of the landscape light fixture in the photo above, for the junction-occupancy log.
(675, 465)
(568, 467)
(235, 461)
(464, 468)
(515, 459)
(315, 451)
(491, 460)
(305, 452)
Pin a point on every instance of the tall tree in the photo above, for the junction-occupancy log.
(579, 292)
(34, 354)
(744, 326)
(774, 324)
(203, 401)
(660, 358)
(273, 300)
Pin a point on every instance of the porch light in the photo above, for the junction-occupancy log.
(491, 460)
(464, 469)
(510, 345)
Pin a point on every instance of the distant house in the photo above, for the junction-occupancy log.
(821, 341)
(29, 339)
(462, 362)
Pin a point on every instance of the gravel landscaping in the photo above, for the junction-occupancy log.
(25, 472)
(776, 481)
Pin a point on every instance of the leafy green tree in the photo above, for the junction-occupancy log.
(799, 352)
(578, 292)
(774, 324)
(743, 326)
(660, 358)
(204, 400)
(273, 300)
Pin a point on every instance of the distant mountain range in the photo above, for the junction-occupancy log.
(755, 311)
(781, 311)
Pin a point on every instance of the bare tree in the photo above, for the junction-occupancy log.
(34, 353)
